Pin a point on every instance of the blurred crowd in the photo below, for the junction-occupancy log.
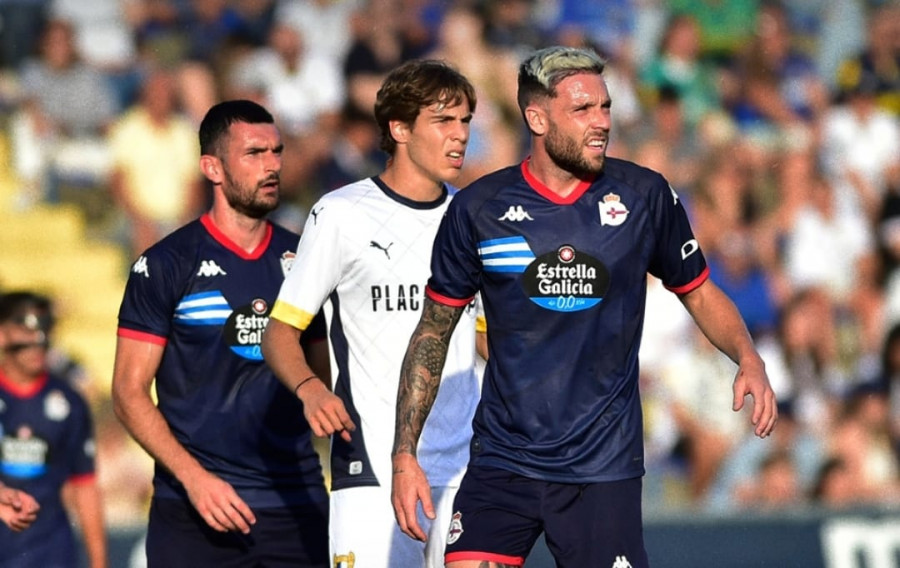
(777, 124)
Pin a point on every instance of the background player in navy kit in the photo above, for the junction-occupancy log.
(47, 445)
(237, 481)
(364, 256)
(559, 247)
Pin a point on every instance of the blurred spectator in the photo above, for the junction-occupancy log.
(888, 378)
(835, 486)
(780, 90)
(58, 134)
(103, 36)
(124, 472)
(697, 382)
(155, 183)
(860, 148)
(861, 440)
(353, 155)
(510, 25)
(378, 45)
(677, 66)
(21, 22)
(880, 58)
(775, 486)
(494, 138)
(325, 25)
(792, 456)
(725, 27)
(303, 89)
(665, 131)
(606, 24)
(734, 265)
(831, 250)
(809, 351)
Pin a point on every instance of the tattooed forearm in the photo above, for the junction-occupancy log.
(420, 375)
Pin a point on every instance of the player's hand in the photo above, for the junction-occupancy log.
(17, 509)
(324, 411)
(751, 379)
(219, 504)
(409, 486)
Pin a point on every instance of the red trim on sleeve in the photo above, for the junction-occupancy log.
(484, 557)
(141, 336)
(548, 193)
(692, 285)
(231, 245)
(82, 478)
(446, 300)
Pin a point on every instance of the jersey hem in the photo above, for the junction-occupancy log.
(692, 285)
(484, 557)
(532, 474)
(141, 336)
(446, 300)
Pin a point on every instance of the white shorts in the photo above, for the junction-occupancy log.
(363, 532)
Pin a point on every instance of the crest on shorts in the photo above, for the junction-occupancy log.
(456, 528)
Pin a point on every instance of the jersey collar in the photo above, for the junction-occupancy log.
(23, 391)
(223, 240)
(548, 193)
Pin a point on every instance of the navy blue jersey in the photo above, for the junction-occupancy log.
(46, 439)
(563, 282)
(208, 302)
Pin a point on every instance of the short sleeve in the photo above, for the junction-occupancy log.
(316, 270)
(677, 259)
(455, 261)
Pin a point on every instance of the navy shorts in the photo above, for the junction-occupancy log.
(284, 537)
(498, 516)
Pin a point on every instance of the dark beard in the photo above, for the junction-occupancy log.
(242, 200)
(566, 154)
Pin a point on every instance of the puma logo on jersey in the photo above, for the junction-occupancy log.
(384, 249)
(140, 267)
(210, 268)
(315, 214)
(515, 213)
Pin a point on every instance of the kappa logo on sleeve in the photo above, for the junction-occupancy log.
(140, 267)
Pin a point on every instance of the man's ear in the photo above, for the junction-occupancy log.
(399, 131)
(536, 118)
(211, 167)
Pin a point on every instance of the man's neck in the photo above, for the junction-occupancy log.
(245, 232)
(559, 181)
(411, 184)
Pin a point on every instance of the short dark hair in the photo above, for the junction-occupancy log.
(14, 306)
(415, 85)
(221, 116)
(543, 70)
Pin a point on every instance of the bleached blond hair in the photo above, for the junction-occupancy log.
(542, 71)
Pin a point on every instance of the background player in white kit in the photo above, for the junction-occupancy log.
(364, 255)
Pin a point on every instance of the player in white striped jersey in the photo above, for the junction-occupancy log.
(364, 256)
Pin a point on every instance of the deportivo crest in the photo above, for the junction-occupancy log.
(612, 210)
(56, 406)
(456, 528)
(287, 261)
(565, 280)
